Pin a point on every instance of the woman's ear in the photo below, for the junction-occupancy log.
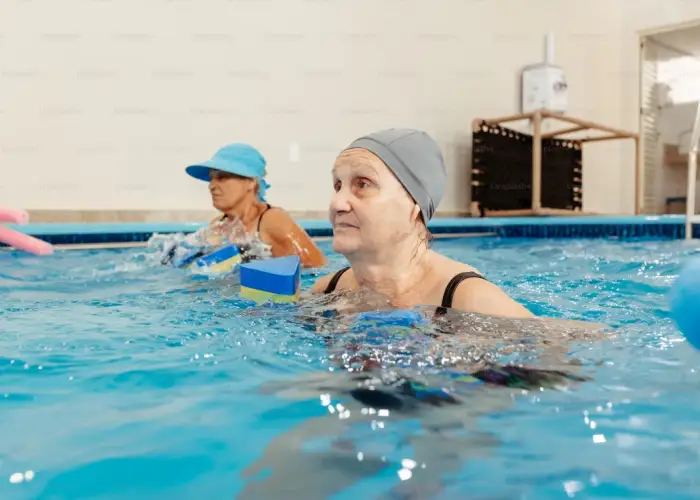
(415, 213)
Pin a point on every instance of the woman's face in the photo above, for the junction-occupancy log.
(370, 211)
(228, 190)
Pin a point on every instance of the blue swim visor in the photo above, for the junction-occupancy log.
(238, 159)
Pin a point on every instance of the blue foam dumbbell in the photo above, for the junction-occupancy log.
(222, 260)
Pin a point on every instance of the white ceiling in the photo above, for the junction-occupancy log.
(683, 40)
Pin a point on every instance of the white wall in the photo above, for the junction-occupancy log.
(103, 103)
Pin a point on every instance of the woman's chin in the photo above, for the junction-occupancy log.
(221, 203)
(343, 244)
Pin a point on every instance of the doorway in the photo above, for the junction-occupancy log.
(670, 93)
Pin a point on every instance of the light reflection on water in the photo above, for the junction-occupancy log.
(125, 379)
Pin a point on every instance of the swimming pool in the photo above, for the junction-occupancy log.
(122, 379)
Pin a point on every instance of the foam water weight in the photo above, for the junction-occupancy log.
(276, 280)
(215, 249)
(222, 260)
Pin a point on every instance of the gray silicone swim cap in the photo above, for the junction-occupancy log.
(416, 161)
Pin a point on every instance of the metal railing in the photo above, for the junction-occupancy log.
(692, 176)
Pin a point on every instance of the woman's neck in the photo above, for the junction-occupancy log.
(247, 213)
(398, 276)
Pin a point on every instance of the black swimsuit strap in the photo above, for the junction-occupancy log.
(451, 288)
(447, 297)
(334, 280)
(260, 218)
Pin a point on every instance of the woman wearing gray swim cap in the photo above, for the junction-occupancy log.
(387, 186)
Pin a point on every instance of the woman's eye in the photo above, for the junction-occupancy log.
(361, 183)
(336, 186)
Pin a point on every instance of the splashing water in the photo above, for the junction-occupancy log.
(177, 247)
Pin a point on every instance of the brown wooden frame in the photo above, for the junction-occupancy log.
(577, 125)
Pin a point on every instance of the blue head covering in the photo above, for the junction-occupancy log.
(238, 159)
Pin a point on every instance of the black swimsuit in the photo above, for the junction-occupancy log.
(447, 297)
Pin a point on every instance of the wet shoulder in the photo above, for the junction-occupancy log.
(483, 296)
(278, 221)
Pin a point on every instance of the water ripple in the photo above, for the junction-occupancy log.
(125, 379)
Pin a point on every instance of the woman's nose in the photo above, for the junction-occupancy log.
(340, 201)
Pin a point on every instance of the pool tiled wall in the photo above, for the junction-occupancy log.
(649, 227)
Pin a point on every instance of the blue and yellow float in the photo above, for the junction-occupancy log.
(271, 280)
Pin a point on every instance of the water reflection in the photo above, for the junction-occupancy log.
(405, 400)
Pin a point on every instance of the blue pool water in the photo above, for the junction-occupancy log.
(121, 379)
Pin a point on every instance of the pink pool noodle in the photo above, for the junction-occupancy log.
(14, 216)
(24, 242)
(18, 240)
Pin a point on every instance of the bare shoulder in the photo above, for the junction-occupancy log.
(288, 238)
(277, 225)
(480, 295)
(323, 282)
(483, 297)
(276, 218)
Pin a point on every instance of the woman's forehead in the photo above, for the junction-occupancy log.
(354, 159)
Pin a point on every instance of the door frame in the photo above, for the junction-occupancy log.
(642, 36)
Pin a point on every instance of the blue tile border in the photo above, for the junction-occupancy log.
(655, 227)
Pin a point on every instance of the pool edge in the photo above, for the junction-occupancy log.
(656, 226)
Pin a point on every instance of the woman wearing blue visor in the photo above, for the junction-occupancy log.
(236, 177)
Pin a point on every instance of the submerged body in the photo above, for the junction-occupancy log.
(393, 366)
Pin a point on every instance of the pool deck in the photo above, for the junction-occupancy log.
(651, 226)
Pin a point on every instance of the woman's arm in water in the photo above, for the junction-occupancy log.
(286, 238)
(483, 297)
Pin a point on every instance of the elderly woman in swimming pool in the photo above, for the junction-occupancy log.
(236, 177)
(387, 187)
